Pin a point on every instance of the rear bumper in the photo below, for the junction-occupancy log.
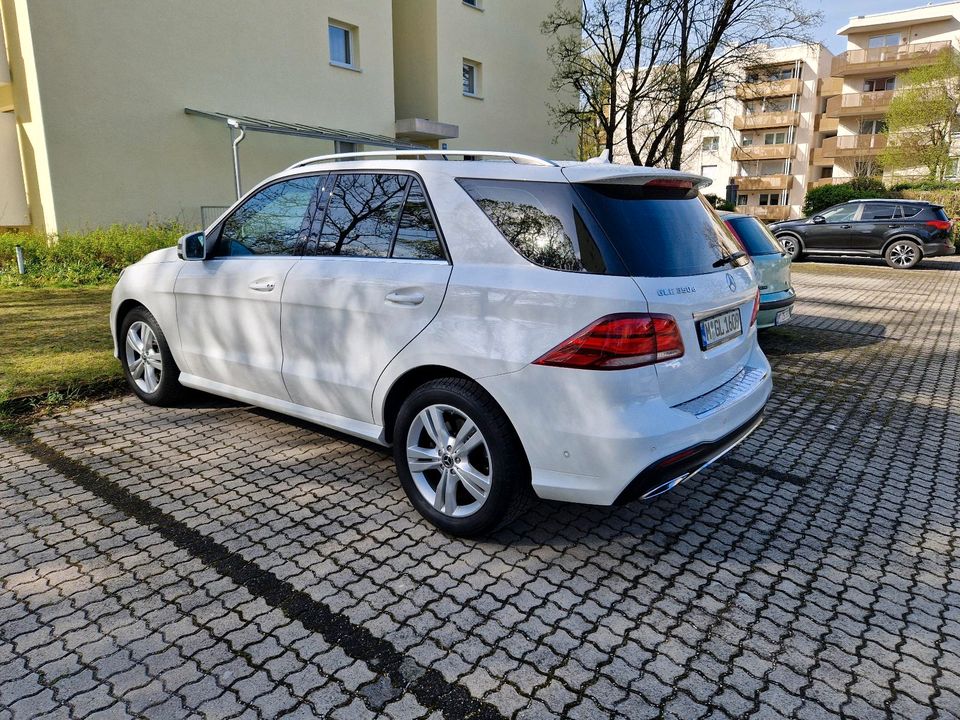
(938, 249)
(588, 435)
(666, 474)
(772, 304)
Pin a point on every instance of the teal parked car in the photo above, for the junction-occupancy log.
(772, 263)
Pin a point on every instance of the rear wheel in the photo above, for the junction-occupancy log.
(903, 254)
(460, 461)
(791, 244)
(147, 362)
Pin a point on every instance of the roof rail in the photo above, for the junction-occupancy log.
(439, 154)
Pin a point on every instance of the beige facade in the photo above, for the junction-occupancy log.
(98, 91)
(863, 80)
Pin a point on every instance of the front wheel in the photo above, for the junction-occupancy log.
(903, 255)
(148, 365)
(791, 244)
(460, 461)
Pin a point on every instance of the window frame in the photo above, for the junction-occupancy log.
(322, 218)
(350, 46)
(477, 93)
(884, 37)
(217, 231)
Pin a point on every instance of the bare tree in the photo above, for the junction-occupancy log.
(652, 69)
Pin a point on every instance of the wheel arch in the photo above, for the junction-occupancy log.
(406, 384)
(123, 309)
(795, 235)
(902, 236)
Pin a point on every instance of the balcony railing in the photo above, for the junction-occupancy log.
(766, 212)
(827, 124)
(853, 145)
(894, 57)
(766, 120)
(867, 103)
(831, 86)
(764, 152)
(770, 88)
(762, 182)
(827, 181)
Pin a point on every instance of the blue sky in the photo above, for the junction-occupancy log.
(837, 12)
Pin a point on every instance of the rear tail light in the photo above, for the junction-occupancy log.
(756, 308)
(617, 342)
(940, 224)
(669, 183)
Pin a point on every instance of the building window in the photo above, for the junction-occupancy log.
(342, 49)
(746, 140)
(879, 84)
(343, 146)
(873, 127)
(471, 78)
(709, 171)
(711, 144)
(879, 41)
(741, 199)
(775, 138)
(472, 3)
(769, 199)
(953, 167)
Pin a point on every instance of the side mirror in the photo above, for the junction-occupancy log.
(819, 219)
(191, 246)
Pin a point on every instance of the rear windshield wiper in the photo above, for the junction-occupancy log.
(730, 259)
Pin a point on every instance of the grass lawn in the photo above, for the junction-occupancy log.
(52, 340)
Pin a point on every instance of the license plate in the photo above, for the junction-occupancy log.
(718, 329)
(784, 316)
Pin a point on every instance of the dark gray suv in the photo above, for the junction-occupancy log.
(902, 232)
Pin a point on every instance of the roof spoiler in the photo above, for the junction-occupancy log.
(629, 175)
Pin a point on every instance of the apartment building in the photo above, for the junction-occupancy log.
(862, 81)
(776, 131)
(130, 110)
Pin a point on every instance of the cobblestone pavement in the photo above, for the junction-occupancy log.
(217, 561)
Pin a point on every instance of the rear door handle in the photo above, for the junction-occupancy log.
(891, 226)
(404, 298)
(846, 227)
(264, 285)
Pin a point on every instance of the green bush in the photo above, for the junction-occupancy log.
(719, 203)
(87, 258)
(926, 185)
(820, 198)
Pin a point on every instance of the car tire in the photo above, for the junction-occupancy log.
(451, 431)
(791, 243)
(148, 364)
(903, 254)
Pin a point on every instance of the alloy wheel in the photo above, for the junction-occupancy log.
(144, 360)
(790, 245)
(903, 254)
(449, 460)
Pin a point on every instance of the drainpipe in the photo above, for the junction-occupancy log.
(234, 125)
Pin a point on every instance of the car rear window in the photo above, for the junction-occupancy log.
(755, 236)
(607, 229)
(940, 214)
(661, 231)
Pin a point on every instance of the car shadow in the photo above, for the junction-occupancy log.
(939, 263)
(798, 339)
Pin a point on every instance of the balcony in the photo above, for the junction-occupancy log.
(827, 181)
(771, 88)
(830, 86)
(766, 120)
(853, 146)
(885, 59)
(827, 124)
(762, 182)
(867, 103)
(764, 152)
(769, 213)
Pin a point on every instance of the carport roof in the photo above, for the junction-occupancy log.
(318, 132)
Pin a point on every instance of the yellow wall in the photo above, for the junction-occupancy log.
(113, 77)
(432, 39)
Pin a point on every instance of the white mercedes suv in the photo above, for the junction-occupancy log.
(511, 326)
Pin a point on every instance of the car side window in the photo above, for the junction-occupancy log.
(362, 215)
(274, 221)
(417, 236)
(908, 211)
(844, 213)
(878, 211)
